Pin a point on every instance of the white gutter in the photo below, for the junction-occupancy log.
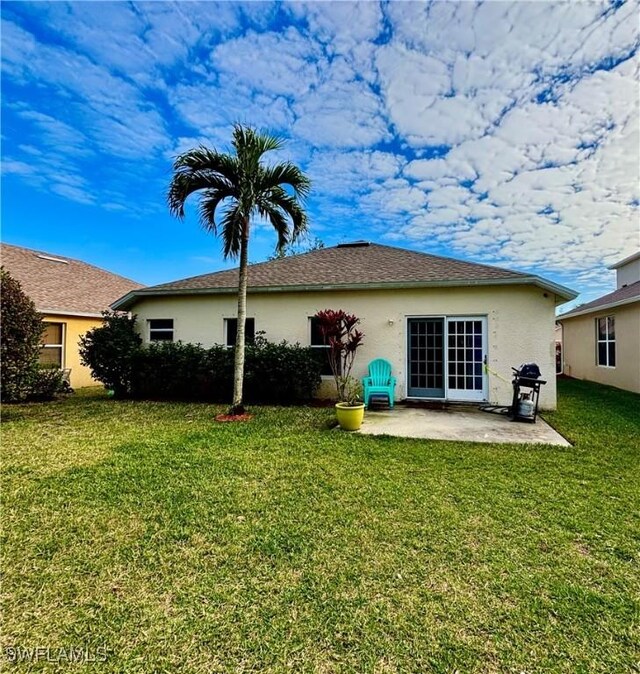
(59, 312)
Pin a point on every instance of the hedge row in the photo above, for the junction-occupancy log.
(274, 373)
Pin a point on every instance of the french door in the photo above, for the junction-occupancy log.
(445, 358)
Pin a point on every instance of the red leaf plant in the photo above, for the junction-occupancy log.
(339, 333)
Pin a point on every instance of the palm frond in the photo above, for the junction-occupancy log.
(209, 202)
(292, 207)
(232, 228)
(205, 159)
(185, 183)
(278, 218)
(285, 173)
(251, 144)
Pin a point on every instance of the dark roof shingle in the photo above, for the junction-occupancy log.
(61, 284)
(347, 265)
(625, 294)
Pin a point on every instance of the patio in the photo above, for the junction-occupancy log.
(462, 423)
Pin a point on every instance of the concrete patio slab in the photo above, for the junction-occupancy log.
(463, 424)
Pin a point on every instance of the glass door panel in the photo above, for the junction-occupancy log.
(426, 357)
(466, 349)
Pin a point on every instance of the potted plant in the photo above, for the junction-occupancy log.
(350, 410)
(340, 334)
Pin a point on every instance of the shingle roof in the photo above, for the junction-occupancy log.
(623, 295)
(345, 265)
(348, 266)
(61, 284)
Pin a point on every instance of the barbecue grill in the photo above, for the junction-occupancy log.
(526, 392)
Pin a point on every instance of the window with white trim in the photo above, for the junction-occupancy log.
(606, 341)
(231, 331)
(52, 348)
(160, 329)
(316, 341)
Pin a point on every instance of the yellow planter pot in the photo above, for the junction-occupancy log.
(350, 417)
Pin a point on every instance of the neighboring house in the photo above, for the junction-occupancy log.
(71, 295)
(601, 339)
(558, 333)
(436, 319)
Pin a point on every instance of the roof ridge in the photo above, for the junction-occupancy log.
(321, 251)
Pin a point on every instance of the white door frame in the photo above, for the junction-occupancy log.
(459, 395)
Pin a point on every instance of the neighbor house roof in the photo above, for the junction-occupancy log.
(621, 296)
(359, 265)
(622, 263)
(62, 285)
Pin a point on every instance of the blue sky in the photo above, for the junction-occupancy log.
(499, 132)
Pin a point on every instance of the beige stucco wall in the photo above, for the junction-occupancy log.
(579, 344)
(628, 274)
(74, 327)
(521, 323)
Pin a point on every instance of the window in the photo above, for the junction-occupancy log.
(317, 342)
(161, 330)
(231, 331)
(606, 341)
(52, 350)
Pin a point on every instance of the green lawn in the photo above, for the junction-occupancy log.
(280, 545)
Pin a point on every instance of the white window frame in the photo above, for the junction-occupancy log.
(606, 341)
(171, 331)
(226, 329)
(63, 333)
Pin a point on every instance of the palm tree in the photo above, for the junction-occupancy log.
(246, 188)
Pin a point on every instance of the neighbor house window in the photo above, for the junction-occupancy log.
(606, 341)
(231, 331)
(52, 350)
(317, 342)
(161, 330)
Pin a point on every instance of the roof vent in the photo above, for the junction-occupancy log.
(52, 259)
(354, 244)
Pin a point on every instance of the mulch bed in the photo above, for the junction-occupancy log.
(234, 417)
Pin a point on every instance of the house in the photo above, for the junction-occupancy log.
(71, 295)
(601, 339)
(435, 319)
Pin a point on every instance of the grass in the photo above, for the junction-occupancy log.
(279, 545)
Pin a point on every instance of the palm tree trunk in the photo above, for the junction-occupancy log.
(238, 370)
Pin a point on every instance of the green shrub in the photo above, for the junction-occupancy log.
(20, 337)
(177, 371)
(274, 373)
(47, 383)
(110, 350)
(280, 373)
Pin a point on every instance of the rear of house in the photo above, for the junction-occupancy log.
(438, 321)
(71, 296)
(601, 339)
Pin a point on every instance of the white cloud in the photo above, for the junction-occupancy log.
(117, 117)
(279, 63)
(347, 173)
(538, 120)
(343, 26)
(340, 114)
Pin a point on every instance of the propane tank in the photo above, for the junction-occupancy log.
(525, 406)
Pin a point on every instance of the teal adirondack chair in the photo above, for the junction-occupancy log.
(379, 381)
